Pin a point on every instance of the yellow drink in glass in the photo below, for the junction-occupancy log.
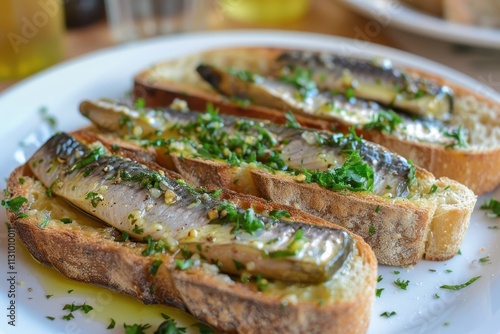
(31, 36)
(264, 11)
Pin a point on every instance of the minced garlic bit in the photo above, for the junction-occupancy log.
(300, 178)
(213, 213)
(170, 197)
(179, 105)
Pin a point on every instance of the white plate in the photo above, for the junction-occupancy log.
(108, 73)
(391, 12)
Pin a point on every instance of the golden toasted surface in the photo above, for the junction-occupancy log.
(90, 252)
(478, 114)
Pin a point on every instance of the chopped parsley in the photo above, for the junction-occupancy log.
(402, 284)
(388, 314)
(278, 214)
(291, 122)
(378, 292)
(379, 278)
(136, 328)
(169, 326)
(371, 230)
(50, 318)
(493, 205)
(384, 120)
(153, 268)
(112, 324)
(95, 198)
(44, 222)
(140, 103)
(295, 245)
(238, 265)
(125, 236)
(240, 101)
(350, 93)
(137, 229)
(459, 135)
(437, 296)
(262, 283)
(66, 220)
(72, 308)
(484, 259)
(183, 264)
(243, 75)
(14, 204)
(245, 220)
(433, 189)
(90, 158)
(355, 175)
(301, 79)
(153, 246)
(460, 286)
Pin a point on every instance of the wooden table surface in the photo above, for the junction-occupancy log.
(324, 16)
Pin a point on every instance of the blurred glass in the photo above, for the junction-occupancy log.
(80, 13)
(264, 11)
(134, 19)
(31, 36)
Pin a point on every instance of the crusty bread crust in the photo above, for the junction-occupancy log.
(400, 231)
(471, 166)
(91, 254)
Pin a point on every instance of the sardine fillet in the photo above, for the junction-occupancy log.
(88, 254)
(473, 167)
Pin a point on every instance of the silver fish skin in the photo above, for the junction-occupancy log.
(299, 148)
(380, 82)
(142, 202)
(355, 111)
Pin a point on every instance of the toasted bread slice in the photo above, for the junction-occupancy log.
(89, 251)
(472, 166)
(428, 224)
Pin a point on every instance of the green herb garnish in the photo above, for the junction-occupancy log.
(262, 283)
(384, 120)
(111, 324)
(66, 220)
(492, 205)
(183, 264)
(291, 122)
(136, 328)
(278, 214)
(388, 314)
(169, 326)
(459, 135)
(371, 230)
(484, 259)
(95, 198)
(90, 158)
(402, 284)
(460, 286)
(301, 79)
(355, 175)
(14, 204)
